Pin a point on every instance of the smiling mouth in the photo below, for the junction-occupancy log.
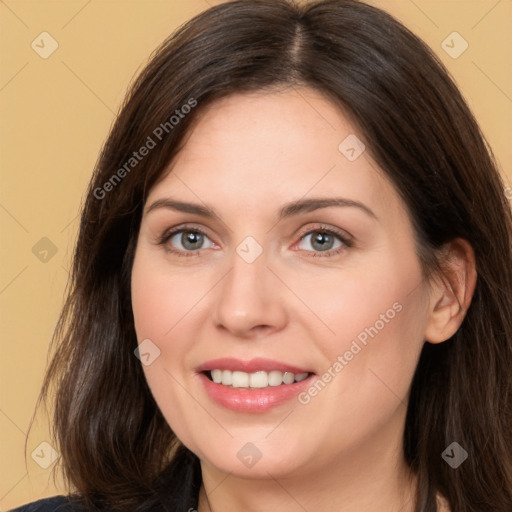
(255, 380)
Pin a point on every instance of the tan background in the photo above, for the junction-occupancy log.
(56, 112)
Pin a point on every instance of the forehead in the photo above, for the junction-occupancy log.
(255, 151)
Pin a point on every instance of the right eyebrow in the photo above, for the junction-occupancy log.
(181, 206)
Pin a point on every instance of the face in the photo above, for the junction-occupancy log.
(283, 266)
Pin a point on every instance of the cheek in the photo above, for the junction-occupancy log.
(376, 294)
(160, 305)
(371, 359)
(161, 299)
(376, 314)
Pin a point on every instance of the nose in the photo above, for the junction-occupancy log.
(250, 303)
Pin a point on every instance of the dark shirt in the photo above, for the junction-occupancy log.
(55, 504)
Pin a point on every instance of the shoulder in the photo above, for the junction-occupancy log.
(54, 504)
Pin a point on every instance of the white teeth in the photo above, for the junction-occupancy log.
(240, 380)
(227, 377)
(275, 378)
(260, 379)
(288, 378)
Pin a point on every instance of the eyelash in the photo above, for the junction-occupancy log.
(346, 241)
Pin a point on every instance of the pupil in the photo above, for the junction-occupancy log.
(325, 240)
(191, 238)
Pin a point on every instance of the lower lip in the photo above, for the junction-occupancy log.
(253, 399)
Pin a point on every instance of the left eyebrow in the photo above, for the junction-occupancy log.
(309, 205)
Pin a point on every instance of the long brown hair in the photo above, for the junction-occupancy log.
(118, 452)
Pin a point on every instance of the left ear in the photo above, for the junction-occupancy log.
(452, 291)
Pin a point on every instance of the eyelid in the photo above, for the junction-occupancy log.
(182, 227)
(341, 233)
(168, 234)
(346, 239)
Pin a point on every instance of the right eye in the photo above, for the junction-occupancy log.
(184, 240)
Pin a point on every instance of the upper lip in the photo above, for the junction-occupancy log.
(251, 366)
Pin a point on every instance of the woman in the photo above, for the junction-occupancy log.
(292, 284)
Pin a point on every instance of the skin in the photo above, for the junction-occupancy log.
(246, 157)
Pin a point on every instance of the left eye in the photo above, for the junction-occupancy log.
(322, 240)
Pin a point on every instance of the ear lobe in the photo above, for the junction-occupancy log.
(452, 291)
